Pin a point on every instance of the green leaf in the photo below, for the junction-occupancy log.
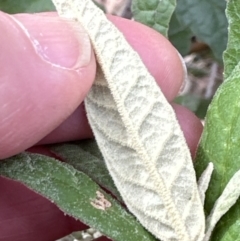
(220, 145)
(75, 194)
(85, 156)
(100, 6)
(195, 104)
(179, 35)
(207, 20)
(154, 13)
(227, 199)
(26, 6)
(231, 56)
(220, 139)
(90, 145)
(31, 6)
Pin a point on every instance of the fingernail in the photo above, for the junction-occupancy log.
(60, 42)
(185, 74)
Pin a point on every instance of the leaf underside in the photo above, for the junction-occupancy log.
(138, 134)
(204, 180)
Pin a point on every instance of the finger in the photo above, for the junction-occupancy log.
(161, 59)
(55, 218)
(70, 130)
(157, 53)
(76, 127)
(27, 216)
(47, 68)
(73, 130)
(39, 216)
(190, 125)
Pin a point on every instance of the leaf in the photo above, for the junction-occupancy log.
(232, 54)
(227, 199)
(26, 6)
(90, 145)
(138, 134)
(179, 35)
(207, 21)
(204, 181)
(154, 13)
(75, 194)
(220, 145)
(86, 157)
(101, 6)
(220, 139)
(194, 103)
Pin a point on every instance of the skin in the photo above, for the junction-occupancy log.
(41, 91)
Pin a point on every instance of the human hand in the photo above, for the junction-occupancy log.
(37, 95)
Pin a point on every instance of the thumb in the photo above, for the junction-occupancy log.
(47, 67)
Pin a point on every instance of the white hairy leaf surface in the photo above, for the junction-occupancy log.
(227, 199)
(204, 180)
(138, 134)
